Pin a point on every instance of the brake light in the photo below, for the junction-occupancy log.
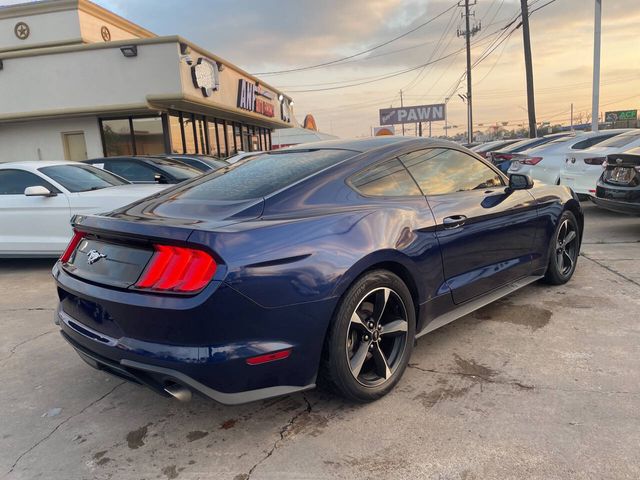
(73, 244)
(594, 161)
(531, 160)
(502, 156)
(177, 269)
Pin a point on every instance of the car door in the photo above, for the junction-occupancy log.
(31, 225)
(486, 231)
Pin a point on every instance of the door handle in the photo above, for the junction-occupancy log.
(454, 221)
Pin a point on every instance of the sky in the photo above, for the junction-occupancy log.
(264, 36)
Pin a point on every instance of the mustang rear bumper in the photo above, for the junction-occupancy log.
(157, 378)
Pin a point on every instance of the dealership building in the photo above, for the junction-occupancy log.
(78, 81)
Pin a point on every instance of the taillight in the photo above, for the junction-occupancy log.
(530, 160)
(177, 269)
(502, 156)
(594, 160)
(73, 244)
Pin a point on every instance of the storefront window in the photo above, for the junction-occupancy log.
(238, 137)
(201, 143)
(116, 135)
(175, 134)
(148, 135)
(221, 140)
(231, 140)
(211, 130)
(253, 137)
(189, 138)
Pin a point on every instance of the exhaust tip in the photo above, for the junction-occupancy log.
(178, 392)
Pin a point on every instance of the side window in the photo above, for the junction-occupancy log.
(590, 142)
(439, 171)
(132, 171)
(13, 182)
(386, 179)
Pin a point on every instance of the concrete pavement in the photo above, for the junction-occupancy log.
(542, 384)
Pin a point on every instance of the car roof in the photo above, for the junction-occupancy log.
(367, 144)
(35, 164)
(355, 144)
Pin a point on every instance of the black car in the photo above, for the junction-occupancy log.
(618, 188)
(147, 169)
(204, 163)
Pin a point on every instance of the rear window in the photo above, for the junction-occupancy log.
(621, 140)
(264, 174)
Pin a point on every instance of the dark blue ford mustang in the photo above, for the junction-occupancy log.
(323, 262)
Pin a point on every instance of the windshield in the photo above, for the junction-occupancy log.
(82, 178)
(264, 174)
(175, 169)
(621, 140)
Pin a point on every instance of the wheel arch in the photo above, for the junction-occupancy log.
(574, 207)
(391, 260)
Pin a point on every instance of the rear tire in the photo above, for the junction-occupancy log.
(564, 250)
(370, 338)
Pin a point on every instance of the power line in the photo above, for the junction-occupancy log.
(324, 64)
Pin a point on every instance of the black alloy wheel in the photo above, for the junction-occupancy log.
(564, 250)
(377, 336)
(370, 338)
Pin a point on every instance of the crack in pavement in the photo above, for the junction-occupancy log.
(46, 437)
(615, 272)
(521, 385)
(283, 432)
(13, 349)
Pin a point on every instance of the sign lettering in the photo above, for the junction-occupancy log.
(419, 113)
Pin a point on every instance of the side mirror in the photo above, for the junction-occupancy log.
(159, 178)
(38, 191)
(518, 181)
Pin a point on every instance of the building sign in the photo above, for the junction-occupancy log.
(420, 113)
(206, 76)
(249, 94)
(285, 110)
(621, 115)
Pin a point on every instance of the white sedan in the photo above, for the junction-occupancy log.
(544, 163)
(38, 199)
(582, 169)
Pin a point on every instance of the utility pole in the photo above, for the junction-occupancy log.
(402, 105)
(467, 33)
(531, 105)
(596, 67)
(572, 117)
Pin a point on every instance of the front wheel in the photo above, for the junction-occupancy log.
(371, 337)
(564, 250)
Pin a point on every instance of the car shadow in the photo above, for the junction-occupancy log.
(11, 265)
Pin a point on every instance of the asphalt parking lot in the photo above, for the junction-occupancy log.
(542, 384)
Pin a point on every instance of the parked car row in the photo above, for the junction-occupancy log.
(38, 198)
(603, 166)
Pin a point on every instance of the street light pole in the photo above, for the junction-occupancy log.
(596, 67)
